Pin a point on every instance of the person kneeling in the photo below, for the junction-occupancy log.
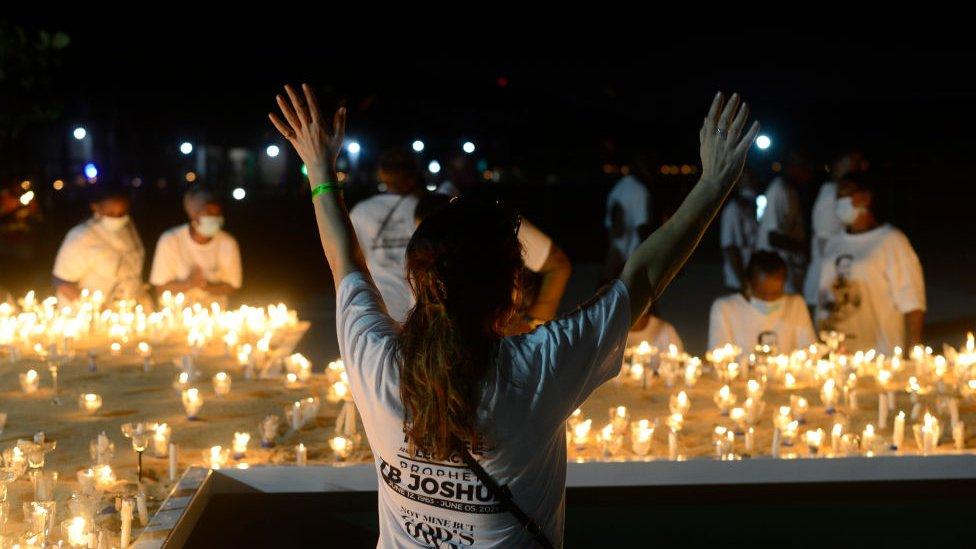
(198, 258)
(762, 313)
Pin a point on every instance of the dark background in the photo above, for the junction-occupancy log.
(557, 106)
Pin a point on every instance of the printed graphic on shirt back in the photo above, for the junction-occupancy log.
(843, 299)
(448, 485)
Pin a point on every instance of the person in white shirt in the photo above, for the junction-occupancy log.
(629, 217)
(781, 228)
(540, 298)
(871, 286)
(198, 258)
(824, 220)
(384, 224)
(103, 253)
(656, 331)
(737, 231)
(452, 408)
(763, 313)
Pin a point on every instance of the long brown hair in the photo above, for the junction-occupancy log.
(462, 264)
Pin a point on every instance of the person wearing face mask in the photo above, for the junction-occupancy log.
(871, 286)
(762, 313)
(824, 221)
(103, 253)
(198, 258)
(738, 227)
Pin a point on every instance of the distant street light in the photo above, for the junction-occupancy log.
(238, 193)
(79, 133)
(763, 142)
(418, 146)
(186, 147)
(272, 151)
(468, 147)
(434, 166)
(353, 147)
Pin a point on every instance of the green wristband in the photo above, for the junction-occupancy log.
(325, 188)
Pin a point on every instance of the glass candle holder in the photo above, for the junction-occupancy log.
(215, 457)
(44, 483)
(29, 381)
(104, 477)
(610, 441)
(90, 403)
(619, 418)
(77, 532)
(581, 434)
(240, 444)
(268, 429)
(725, 399)
(679, 403)
(39, 517)
(160, 440)
(192, 402)
(641, 434)
(221, 384)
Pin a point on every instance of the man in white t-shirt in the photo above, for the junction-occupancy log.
(104, 253)
(384, 224)
(738, 227)
(198, 258)
(781, 228)
(763, 313)
(629, 217)
(871, 286)
(824, 222)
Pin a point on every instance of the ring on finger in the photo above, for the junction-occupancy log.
(721, 132)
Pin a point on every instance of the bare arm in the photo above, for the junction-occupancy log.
(914, 323)
(305, 129)
(555, 274)
(723, 153)
(65, 289)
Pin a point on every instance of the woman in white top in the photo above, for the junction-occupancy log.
(871, 284)
(450, 406)
(198, 258)
(103, 253)
(762, 313)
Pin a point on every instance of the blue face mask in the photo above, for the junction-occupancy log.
(767, 308)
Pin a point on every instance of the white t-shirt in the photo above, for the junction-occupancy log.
(825, 225)
(738, 227)
(541, 377)
(868, 282)
(384, 224)
(634, 201)
(658, 333)
(783, 215)
(177, 254)
(734, 320)
(98, 259)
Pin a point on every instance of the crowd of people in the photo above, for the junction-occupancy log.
(857, 274)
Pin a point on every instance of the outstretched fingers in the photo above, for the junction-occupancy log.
(313, 104)
(747, 140)
(284, 129)
(729, 112)
(339, 127)
(739, 122)
(289, 113)
(298, 104)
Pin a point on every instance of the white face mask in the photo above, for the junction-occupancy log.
(209, 225)
(114, 224)
(846, 211)
(767, 307)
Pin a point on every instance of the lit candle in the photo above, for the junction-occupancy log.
(750, 440)
(215, 457)
(828, 395)
(76, 531)
(798, 408)
(291, 381)
(641, 435)
(86, 480)
(754, 389)
(29, 381)
(789, 381)
(145, 351)
(160, 439)
(619, 418)
(90, 403)
(898, 432)
(738, 415)
(115, 349)
(240, 444)
(777, 440)
(867, 439)
(835, 438)
(182, 381)
(724, 399)
(104, 477)
(142, 508)
(581, 434)
(680, 403)
(301, 452)
(221, 384)
(192, 402)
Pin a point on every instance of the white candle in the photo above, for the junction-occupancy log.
(891, 401)
(882, 410)
(221, 384)
(160, 439)
(77, 532)
(172, 462)
(852, 399)
(581, 434)
(192, 402)
(145, 351)
(672, 445)
(29, 381)
(867, 439)
(953, 411)
(898, 433)
(777, 437)
(959, 435)
(641, 436)
(301, 454)
(125, 514)
(142, 508)
(680, 403)
(750, 439)
(240, 444)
